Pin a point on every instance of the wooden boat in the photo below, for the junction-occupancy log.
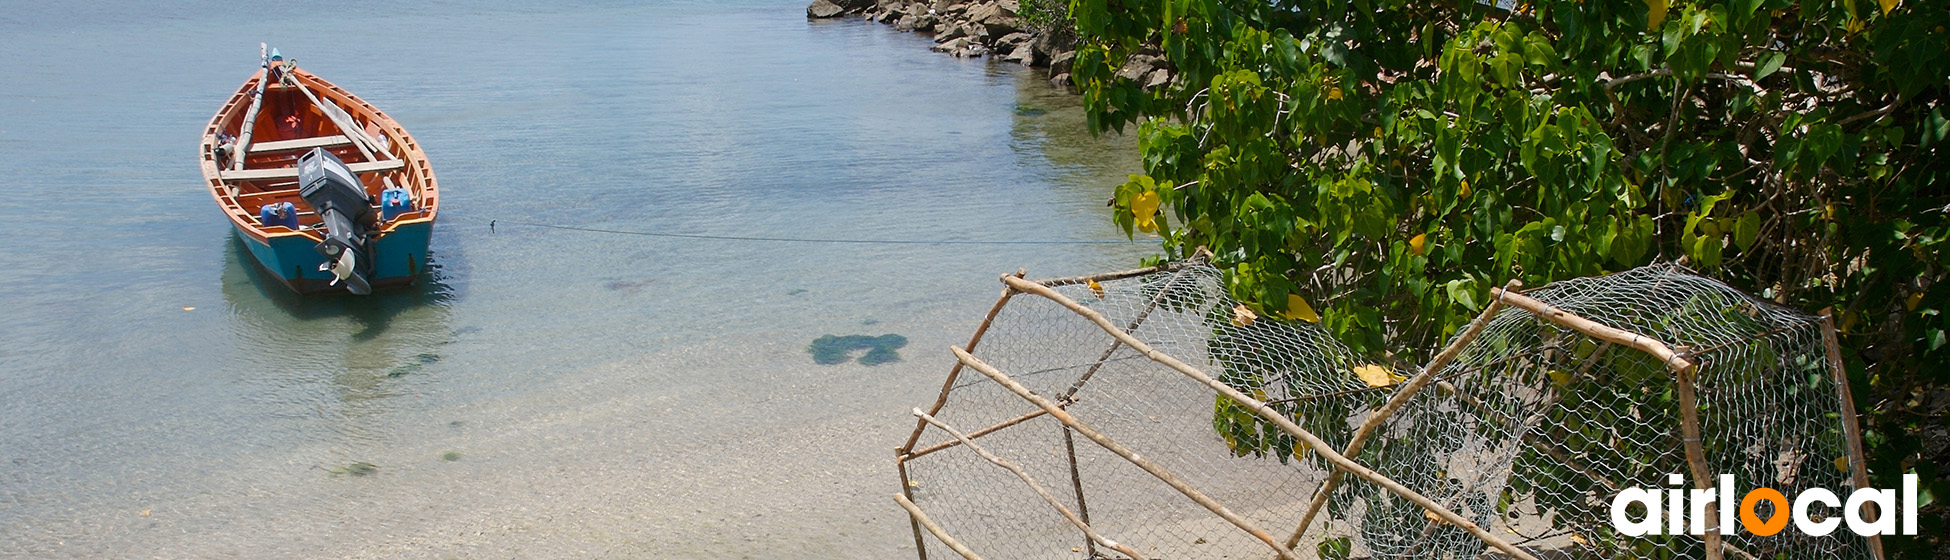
(354, 215)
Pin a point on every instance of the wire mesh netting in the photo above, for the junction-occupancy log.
(1529, 432)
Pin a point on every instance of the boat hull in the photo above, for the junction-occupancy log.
(249, 156)
(399, 258)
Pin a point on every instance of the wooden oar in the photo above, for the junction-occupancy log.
(339, 118)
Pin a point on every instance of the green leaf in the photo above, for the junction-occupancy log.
(1745, 229)
(1768, 63)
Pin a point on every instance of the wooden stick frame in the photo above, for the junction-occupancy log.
(1127, 453)
(1285, 424)
(1681, 363)
(1684, 370)
(1012, 467)
(1395, 402)
(921, 518)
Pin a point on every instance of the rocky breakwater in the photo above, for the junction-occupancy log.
(977, 28)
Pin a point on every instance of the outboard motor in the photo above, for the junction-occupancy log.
(333, 190)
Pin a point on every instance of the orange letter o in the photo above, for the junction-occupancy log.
(1752, 521)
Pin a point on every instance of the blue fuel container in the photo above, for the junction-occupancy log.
(393, 202)
(278, 214)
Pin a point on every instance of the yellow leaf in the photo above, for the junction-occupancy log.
(1096, 288)
(1144, 206)
(1144, 209)
(1298, 310)
(1464, 193)
(1374, 375)
(1334, 93)
(145, 512)
(1655, 13)
(1853, 26)
(1242, 316)
(1433, 518)
(1300, 449)
(1841, 464)
(1914, 299)
(1417, 244)
(1561, 377)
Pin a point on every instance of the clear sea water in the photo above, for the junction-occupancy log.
(545, 393)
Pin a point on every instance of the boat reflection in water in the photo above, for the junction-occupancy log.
(364, 348)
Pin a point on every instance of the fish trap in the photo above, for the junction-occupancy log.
(1143, 414)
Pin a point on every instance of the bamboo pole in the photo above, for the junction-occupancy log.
(1284, 423)
(955, 372)
(914, 512)
(1685, 371)
(1080, 523)
(1852, 431)
(1400, 398)
(249, 126)
(1113, 446)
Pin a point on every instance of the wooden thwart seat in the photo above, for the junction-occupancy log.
(301, 143)
(292, 172)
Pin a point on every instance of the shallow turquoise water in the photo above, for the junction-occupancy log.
(597, 394)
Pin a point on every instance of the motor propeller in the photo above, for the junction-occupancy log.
(334, 192)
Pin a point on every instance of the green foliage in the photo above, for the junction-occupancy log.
(1392, 160)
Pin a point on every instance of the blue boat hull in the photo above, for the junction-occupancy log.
(399, 257)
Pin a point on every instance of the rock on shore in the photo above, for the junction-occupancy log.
(975, 28)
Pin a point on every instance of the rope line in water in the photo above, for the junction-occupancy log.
(822, 240)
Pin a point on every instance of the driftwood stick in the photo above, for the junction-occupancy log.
(1400, 398)
(1696, 456)
(1115, 344)
(1590, 328)
(1031, 481)
(1113, 446)
(1198, 257)
(955, 372)
(921, 517)
(1076, 483)
(975, 434)
(1858, 464)
(907, 491)
(1285, 424)
(1108, 276)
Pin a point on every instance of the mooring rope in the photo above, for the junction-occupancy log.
(491, 224)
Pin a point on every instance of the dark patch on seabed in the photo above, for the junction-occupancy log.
(414, 366)
(830, 349)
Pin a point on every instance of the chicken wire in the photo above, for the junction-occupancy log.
(1529, 432)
